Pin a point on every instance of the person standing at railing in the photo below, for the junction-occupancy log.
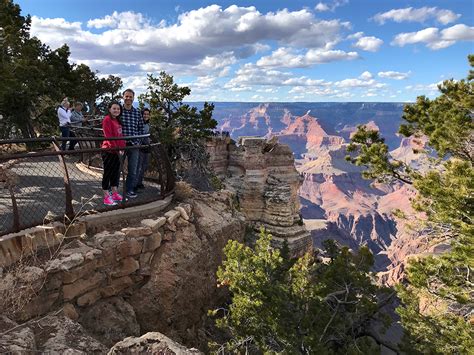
(112, 127)
(64, 117)
(144, 152)
(77, 118)
(132, 126)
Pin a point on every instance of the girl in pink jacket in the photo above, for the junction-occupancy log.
(112, 127)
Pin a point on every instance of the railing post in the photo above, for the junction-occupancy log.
(122, 171)
(67, 183)
(16, 213)
(170, 177)
(165, 164)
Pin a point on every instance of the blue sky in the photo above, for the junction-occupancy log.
(315, 51)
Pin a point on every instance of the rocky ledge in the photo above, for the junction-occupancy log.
(156, 273)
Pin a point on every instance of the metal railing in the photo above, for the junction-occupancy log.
(39, 182)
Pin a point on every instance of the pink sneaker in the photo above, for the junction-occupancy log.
(116, 196)
(108, 201)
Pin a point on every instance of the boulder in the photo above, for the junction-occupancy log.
(154, 224)
(150, 343)
(172, 216)
(110, 320)
(19, 340)
(61, 335)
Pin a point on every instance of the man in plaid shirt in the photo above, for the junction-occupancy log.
(132, 125)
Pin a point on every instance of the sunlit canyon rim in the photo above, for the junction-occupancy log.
(336, 202)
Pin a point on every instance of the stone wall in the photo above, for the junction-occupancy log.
(263, 175)
(16, 246)
(88, 269)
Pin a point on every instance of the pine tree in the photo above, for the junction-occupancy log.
(437, 298)
(303, 306)
(181, 127)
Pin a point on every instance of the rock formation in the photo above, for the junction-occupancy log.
(53, 334)
(263, 176)
(58, 334)
(155, 273)
(150, 343)
(357, 211)
(182, 284)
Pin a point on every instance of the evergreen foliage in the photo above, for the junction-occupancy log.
(35, 78)
(181, 127)
(301, 306)
(437, 299)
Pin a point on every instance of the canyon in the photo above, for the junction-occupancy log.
(336, 202)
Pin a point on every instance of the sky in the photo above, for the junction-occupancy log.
(268, 51)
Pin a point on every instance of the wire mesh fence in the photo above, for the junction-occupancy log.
(48, 184)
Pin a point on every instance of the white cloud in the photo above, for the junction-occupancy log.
(326, 56)
(430, 88)
(290, 58)
(203, 32)
(218, 66)
(426, 35)
(422, 14)
(125, 20)
(268, 90)
(356, 35)
(366, 75)
(435, 39)
(304, 81)
(250, 76)
(364, 80)
(371, 43)
(322, 7)
(330, 6)
(58, 23)
(283, 57)
(458, 32)
(393, 75)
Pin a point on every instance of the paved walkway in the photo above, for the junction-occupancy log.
(40, 191)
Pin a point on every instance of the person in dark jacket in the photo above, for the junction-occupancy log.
(77, 118)
(132, 126)
(144, 152)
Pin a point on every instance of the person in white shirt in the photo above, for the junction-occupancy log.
(64, 116)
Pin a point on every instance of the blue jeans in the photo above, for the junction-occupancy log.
(132, 157)
(65, 132)
(142, 166)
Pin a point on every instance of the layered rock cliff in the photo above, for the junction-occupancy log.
(263, 176)
(358, 212)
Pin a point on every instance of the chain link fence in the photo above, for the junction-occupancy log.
(40, 183)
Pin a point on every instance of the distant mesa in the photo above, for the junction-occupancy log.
(371, 126)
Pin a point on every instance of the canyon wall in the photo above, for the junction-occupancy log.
(263, 177)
